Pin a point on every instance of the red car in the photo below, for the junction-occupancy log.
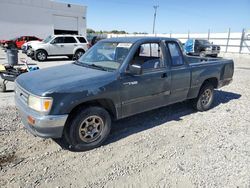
(19, 41)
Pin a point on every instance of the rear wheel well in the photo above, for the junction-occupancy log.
(80, 49)
(213, 81)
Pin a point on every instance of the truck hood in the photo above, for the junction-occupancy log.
(33, 42)
(64, 77)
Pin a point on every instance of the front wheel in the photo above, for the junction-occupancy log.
(205, 98)
(87, 129)
(41, 55)
(202, 54)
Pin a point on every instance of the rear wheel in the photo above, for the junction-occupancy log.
(41, 55)
(205, 98)
(87, 129)
(78, 54)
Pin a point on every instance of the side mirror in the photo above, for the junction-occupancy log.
(53, 42)
(135, 69)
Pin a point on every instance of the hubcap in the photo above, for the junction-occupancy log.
(206, 97)
(41, 56)
(91, 128)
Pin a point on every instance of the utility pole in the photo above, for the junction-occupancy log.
(155, 7)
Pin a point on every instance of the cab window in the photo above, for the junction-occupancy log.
(149, 57)
(175, 53)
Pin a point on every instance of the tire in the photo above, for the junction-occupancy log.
(205, 98)
(78, 54)
(41, 55)
(202, 54)
(2, 85)
(87, 129)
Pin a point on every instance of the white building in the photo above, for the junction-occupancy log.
(40, 18)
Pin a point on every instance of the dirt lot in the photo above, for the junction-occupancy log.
(173, 147)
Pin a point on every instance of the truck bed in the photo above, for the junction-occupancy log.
(203, 68)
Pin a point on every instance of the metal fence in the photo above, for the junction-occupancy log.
(233, 42)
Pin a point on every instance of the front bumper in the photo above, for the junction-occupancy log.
(46, 126)
(30, 53)
(212, 52)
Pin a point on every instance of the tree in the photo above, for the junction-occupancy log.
(90, 31)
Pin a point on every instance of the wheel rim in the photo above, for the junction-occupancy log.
(203, 54)
(206, 97)
(41, 56)
(79, 54)
(91, 128)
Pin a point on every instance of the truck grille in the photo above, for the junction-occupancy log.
(21, 94)
(216, 48)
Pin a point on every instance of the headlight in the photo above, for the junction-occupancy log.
(40, 104)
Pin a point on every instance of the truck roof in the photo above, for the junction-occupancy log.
(138, 39)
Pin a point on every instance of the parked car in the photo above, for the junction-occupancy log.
(116, 78)
(25, 47)
(19, 41)
(72, 46)
(201, 47)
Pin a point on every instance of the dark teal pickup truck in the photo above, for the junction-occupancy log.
(116, 78)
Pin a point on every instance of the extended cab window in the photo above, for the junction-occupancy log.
(82, 39)
(149, 56)
(176, 54)
(69, 40)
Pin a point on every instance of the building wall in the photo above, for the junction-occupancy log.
(228, 42)
(36, 17)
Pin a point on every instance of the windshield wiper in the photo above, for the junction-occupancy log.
(90, 65)
(81, 64)
(98, 66)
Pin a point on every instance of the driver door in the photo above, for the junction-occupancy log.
(149, 90)
(56, 47)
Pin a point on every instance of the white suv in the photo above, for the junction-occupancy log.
(72, 46)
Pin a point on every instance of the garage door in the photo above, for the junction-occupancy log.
(65, 24)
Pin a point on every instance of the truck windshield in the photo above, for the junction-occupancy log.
(107, 55)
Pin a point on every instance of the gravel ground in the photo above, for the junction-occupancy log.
(170, 147)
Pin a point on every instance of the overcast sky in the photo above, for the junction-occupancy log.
(177, 16)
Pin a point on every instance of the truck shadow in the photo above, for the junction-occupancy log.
(153, 118)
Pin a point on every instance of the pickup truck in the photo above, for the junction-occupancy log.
(116, 78)
(201, 47)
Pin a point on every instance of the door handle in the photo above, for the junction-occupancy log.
(164, 75)
(61, 45)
